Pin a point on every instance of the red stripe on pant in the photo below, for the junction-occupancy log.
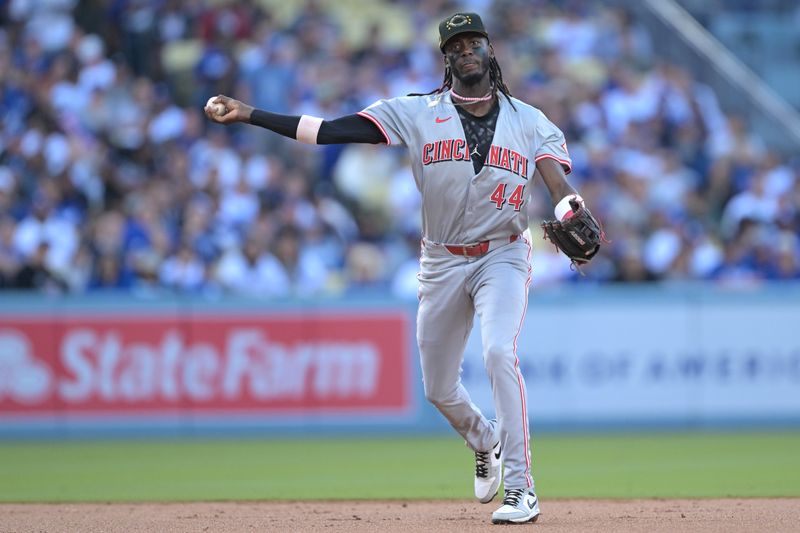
(526, 436)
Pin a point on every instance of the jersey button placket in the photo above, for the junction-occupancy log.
(470, 207)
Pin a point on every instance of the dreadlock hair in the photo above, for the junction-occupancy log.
(495, 77)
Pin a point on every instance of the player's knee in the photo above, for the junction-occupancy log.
(434, 397)
(438, 396)
(499, 354)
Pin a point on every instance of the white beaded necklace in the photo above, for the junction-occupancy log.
(473, 100)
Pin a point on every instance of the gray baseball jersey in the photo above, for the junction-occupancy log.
(454, 198)
(461, 207)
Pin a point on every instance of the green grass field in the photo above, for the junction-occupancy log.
(565, 466)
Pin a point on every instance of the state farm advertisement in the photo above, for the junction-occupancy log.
(204, 364)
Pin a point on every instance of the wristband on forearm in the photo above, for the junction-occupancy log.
(563, 208)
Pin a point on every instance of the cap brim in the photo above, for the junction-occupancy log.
(459, 32)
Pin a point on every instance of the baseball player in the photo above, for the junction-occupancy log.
(475, 150)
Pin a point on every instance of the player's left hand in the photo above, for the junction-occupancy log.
(578, 235)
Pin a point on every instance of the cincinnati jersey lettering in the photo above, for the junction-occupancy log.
(456, 150)
(445, 150)
(507, 159)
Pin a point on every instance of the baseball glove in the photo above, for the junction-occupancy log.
(578, 235)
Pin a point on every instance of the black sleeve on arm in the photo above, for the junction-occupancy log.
(285, 125)
(349, 129)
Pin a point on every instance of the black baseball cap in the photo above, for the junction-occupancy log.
(460, 23)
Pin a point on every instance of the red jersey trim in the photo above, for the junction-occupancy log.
(377, 123)
(566, 163)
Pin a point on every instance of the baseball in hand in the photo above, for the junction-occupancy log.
(215, 107)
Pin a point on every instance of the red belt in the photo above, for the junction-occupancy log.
(477, 249)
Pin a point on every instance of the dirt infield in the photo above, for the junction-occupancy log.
(408, 516)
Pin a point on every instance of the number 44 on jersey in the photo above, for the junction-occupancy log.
(516, 199)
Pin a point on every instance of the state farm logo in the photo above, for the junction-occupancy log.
(23, 378)
(101, 365)
(213, 366)
(105, 367)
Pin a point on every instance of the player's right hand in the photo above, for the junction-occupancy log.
(235, 111)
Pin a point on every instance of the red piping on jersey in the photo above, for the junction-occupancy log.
(566, 162)
(375, 121)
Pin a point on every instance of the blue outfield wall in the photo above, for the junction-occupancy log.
(593, 357)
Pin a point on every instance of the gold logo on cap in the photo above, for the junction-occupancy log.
(458, 20)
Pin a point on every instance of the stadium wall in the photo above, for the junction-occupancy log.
(593, 358)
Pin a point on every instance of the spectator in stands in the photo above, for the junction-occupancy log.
(10, 260)
(183, 271)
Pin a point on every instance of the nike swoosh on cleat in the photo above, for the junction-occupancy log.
(497, 455)
(440, 120)
(531, 503)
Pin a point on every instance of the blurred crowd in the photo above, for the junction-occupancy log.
(111, 178)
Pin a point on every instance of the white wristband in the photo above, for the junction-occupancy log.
(563, 208)
(308, 128)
